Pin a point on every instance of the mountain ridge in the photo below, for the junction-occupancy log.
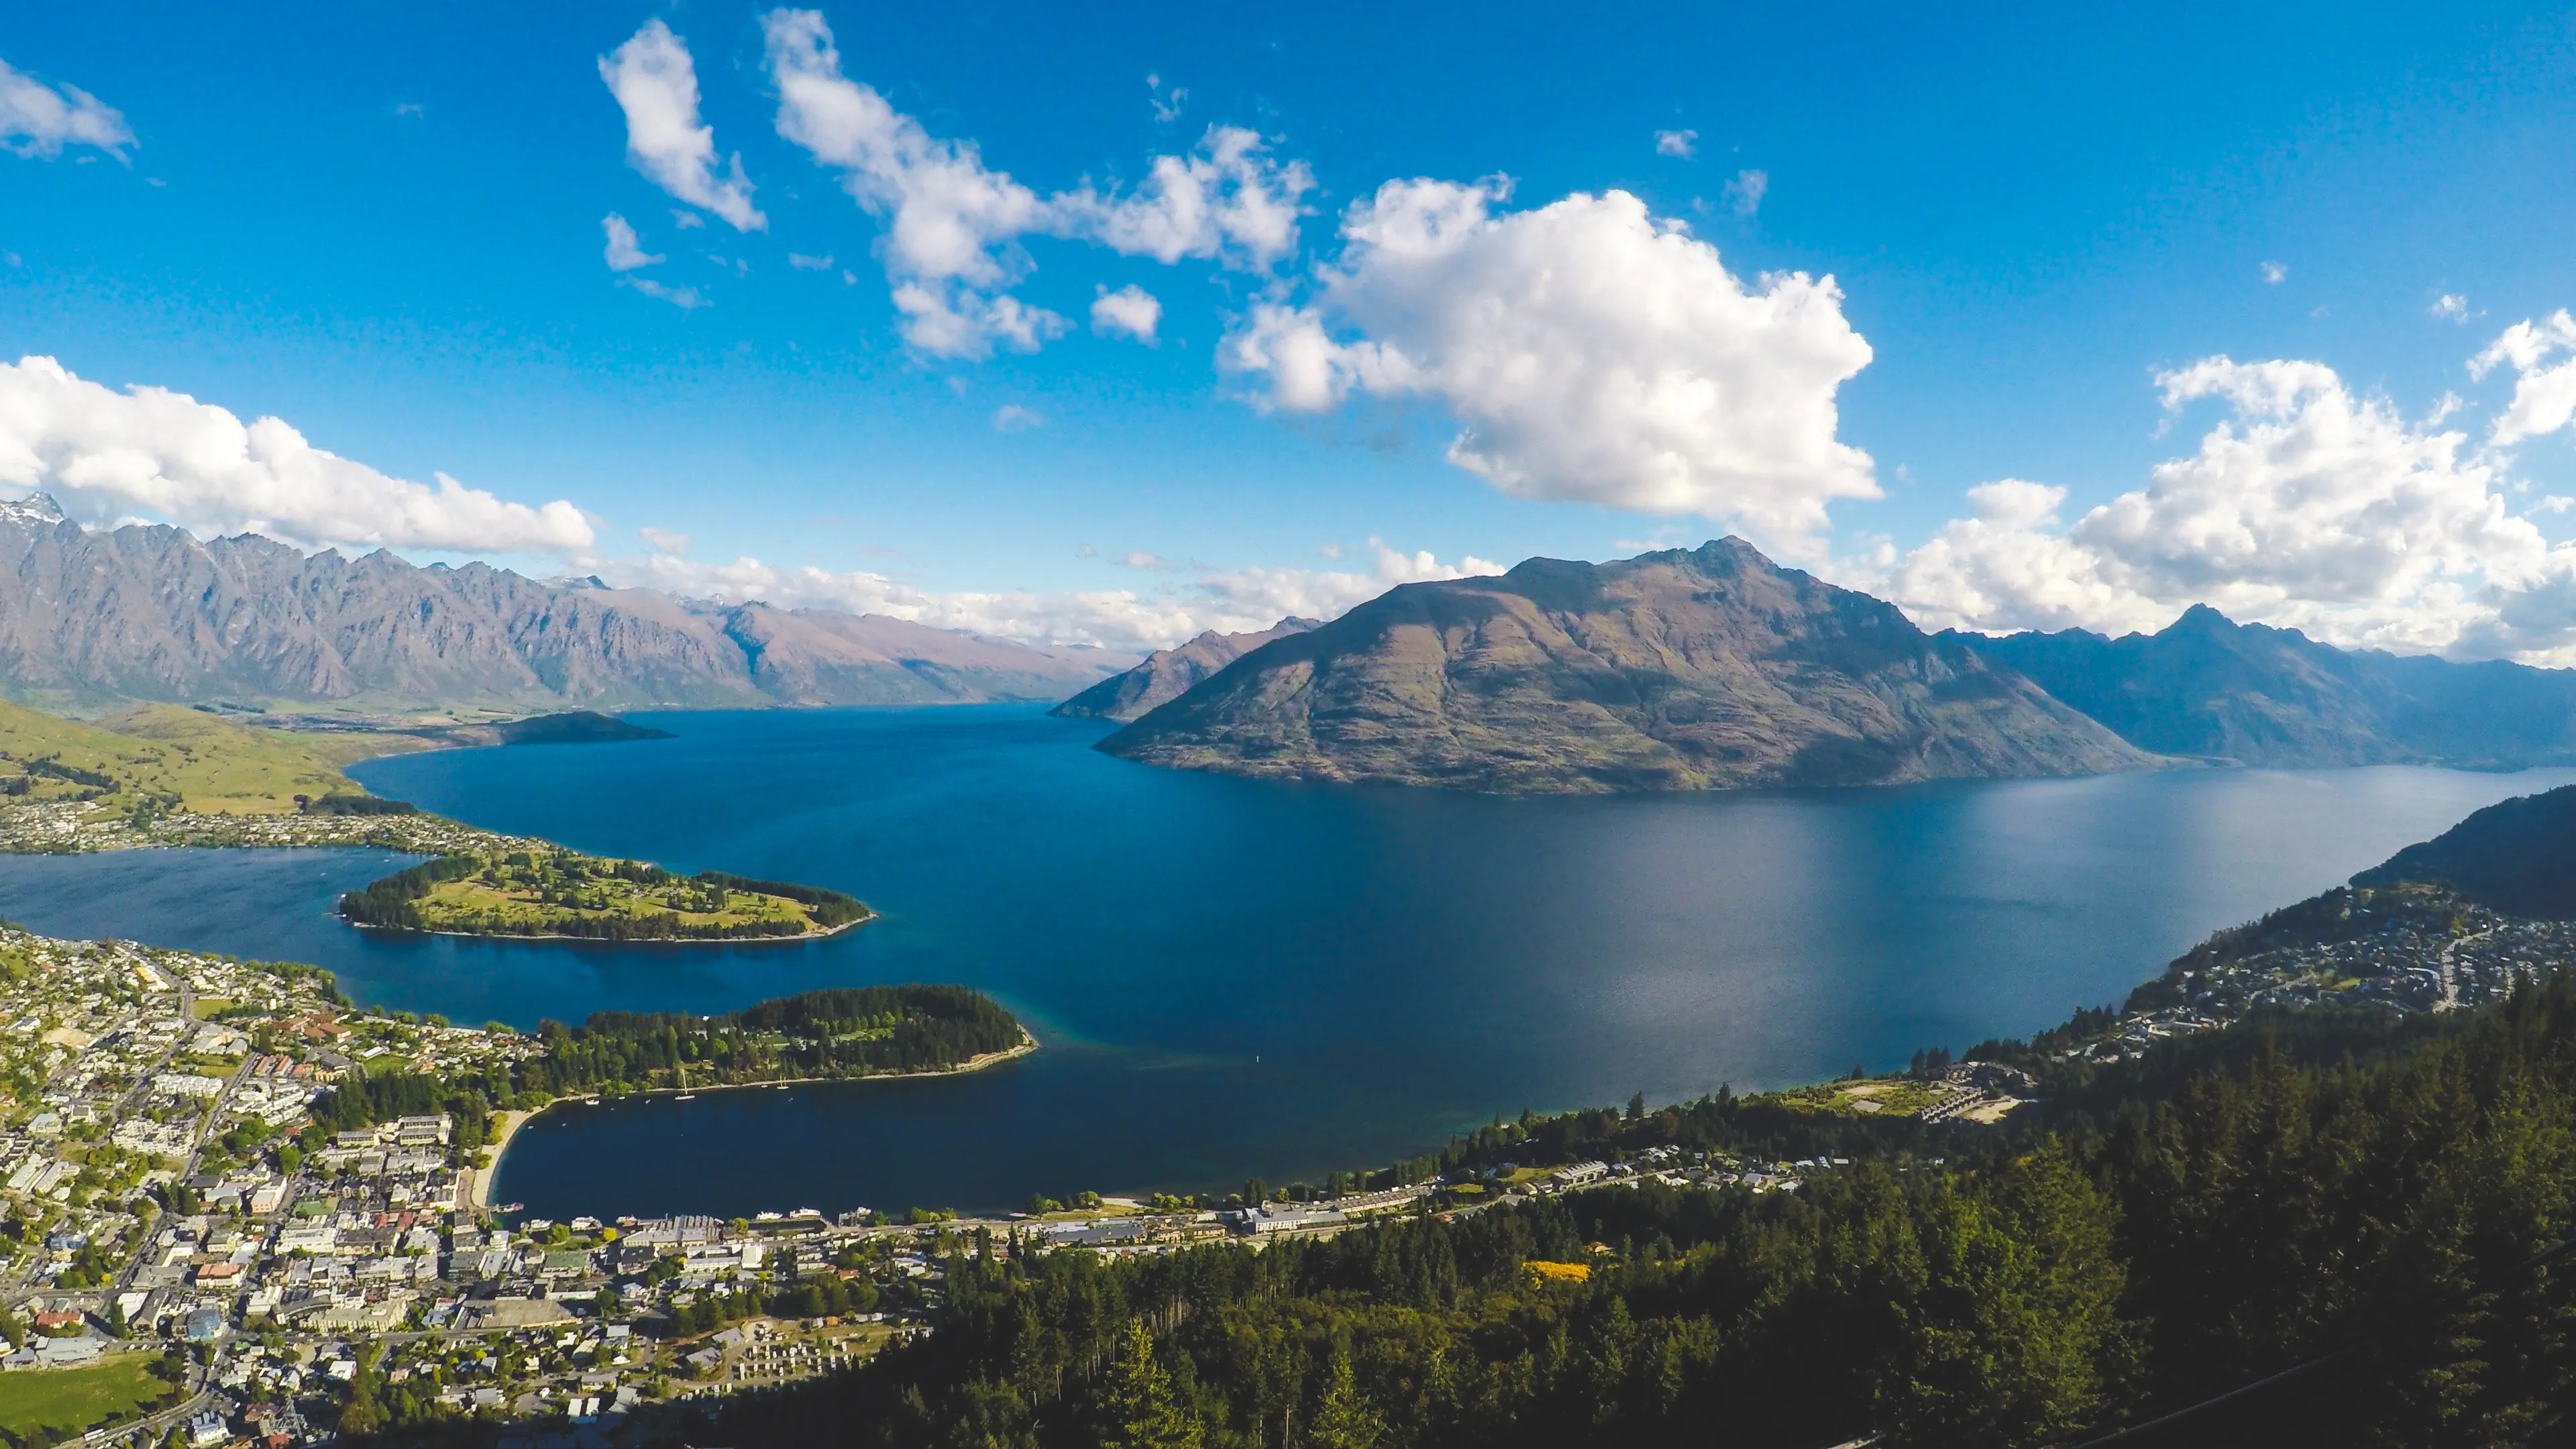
(1167, 674)
(2207, 687)
(94, 618)
(1681, 669)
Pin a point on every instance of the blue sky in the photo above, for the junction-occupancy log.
(386, 228)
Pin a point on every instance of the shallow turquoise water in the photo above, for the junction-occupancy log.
(1236, 977)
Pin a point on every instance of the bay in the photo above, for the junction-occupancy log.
(1235, 977)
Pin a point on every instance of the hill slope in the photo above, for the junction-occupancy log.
(1167, 674)
(1669, 671)
(2211, 688)
(2518, 856)
(92, 617)
(212, 766)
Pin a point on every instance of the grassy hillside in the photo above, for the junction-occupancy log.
(163, 752)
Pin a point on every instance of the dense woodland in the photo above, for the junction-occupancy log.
(844, 1032)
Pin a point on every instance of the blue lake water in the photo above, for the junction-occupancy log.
(1235, 977)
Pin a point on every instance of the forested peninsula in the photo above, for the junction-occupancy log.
(855, 1031)
(546, 892)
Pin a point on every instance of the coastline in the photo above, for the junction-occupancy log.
(639, 941)
(516, 1120)
(511, 1122)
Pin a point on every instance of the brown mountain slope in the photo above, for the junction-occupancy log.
(1670, 671)
(92, 617)
(1167, 674)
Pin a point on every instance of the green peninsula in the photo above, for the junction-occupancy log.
(540, 891)
(840, 1032)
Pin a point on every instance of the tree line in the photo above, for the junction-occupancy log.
(842, 1032)
(2395, 1213)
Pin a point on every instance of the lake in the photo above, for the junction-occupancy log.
(1234, 977)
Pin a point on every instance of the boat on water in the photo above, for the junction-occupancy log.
(686, 1097)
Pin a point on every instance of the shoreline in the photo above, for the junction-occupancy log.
(510, 1128)
(821, 935)
(511, 1122)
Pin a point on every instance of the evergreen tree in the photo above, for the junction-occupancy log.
(1344, 1420)
(1141, 1407)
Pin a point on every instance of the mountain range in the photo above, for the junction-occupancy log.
(92, 617)
(2210, 689)
(1167, 674)
(1671, 671)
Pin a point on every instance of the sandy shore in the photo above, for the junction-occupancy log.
(511, 1122)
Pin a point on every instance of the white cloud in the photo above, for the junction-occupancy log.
(1013, 418)
(1744, 194)
(625, 253)
(1130, 311)
(1230, 601)
(164, 454)
(1684, 144)
(1228, 200)
(39, 120)
(656, 84)
(2544, 398)
(2450, 307)
(2307, 506)
(687, 220)
(952, 224)
(663, 541)
(2274, 273)
(1167, 104)
(687, 299)
(804, 263)
(952, 249)
(1590, 351)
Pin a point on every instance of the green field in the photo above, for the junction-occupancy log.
(555, 889)
(555, 892)
(40, 1406)
(164, 753)
(1878, 1097)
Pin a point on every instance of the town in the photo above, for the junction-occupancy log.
(222, 1206)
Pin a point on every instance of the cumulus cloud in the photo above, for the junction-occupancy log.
(1684, 144)
(1013, 418)
(1228, 200)
(2274, 273)
(1590, 351)
(1131, 311)
(952, 246)
(2544, 394)
(804, 263)
(952, 224)
(38, 120)
(656, 84)
(164, 454)
(2307, 506)
(1230, 601)
(2450, 307)
(625, 253)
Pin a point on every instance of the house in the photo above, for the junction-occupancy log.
(203, 1325)
(208, 1429)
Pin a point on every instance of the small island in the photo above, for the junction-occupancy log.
(539, 892)
(827, 1035)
